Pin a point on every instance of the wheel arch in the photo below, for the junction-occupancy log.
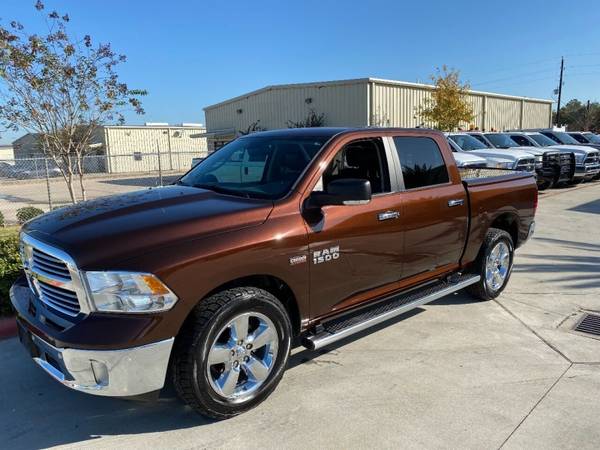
(272, 284)
(508, 222)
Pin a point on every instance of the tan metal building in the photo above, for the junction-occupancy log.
(133, 148)
(137, 148)
(361, 102)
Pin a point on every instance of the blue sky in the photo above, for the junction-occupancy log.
(190, 54)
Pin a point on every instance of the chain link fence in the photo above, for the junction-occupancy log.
(40, 183)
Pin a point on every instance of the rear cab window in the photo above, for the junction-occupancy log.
(421, 162)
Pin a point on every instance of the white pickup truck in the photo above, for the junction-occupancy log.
(587, 161)
(498, 157)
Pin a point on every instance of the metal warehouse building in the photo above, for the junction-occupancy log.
(361, 102)
(133, 148)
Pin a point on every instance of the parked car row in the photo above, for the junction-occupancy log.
(26, 170)
(556, 157)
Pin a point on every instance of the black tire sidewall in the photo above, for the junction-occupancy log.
(255, 303)
(499, 237)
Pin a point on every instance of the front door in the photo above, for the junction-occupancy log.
(355, 248)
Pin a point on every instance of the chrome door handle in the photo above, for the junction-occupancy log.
(456, 202)
(388, 215)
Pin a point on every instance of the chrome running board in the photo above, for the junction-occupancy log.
(363, 318)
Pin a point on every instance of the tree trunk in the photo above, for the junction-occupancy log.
(81, 184)
(70, 180)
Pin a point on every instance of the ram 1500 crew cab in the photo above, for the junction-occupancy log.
(558, 166)
(310, 233)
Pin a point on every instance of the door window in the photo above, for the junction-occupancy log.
(421, 161)
(364, 159)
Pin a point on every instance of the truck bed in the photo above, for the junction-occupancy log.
(472, 176)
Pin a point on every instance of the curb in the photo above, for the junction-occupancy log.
(8, 327)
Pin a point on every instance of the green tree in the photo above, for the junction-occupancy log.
(578, 117)
(447, 107)
(61, 89)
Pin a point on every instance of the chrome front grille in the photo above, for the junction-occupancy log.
(526, 165)
(49, 264)
(63, 300)
(53, 277)
(592, 158)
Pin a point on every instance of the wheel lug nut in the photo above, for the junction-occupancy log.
(232, 352)
(240, 342)
(246, 359)
(235, 364)
(248, 346)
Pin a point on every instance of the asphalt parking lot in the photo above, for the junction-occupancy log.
(454, 374)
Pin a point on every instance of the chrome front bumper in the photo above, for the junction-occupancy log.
(112, 373)
(589, 170)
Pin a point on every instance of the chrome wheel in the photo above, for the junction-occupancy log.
(497, 266)
(242, 356)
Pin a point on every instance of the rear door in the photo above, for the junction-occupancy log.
(434, 205)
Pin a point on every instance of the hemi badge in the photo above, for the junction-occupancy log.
(294, 260)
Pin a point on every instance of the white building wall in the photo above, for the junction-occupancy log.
(137, 149)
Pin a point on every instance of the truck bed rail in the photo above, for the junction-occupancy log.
(472, 176)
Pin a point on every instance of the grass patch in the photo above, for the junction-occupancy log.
(6, 232)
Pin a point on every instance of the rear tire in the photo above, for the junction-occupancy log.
(494, 265)
(216, 368)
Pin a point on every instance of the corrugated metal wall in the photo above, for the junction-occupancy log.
(397, 105)
(365, 102)
(176, 144)
(535, 113)
(344, 104)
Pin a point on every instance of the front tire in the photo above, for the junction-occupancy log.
(494, 265)
(232, 352)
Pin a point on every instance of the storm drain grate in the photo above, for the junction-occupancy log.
(590, 324)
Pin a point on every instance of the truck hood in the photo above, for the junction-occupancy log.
(462, 158)
(123, 226)
(509, 154)
(577, 149)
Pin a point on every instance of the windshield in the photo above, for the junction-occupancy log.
(564, 138)
(467, 142)
(255, 167)
(595, 139)
(501, 140)
(544, 141)
(579, 138)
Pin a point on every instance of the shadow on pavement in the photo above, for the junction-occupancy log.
(592, 207)
(42, 413)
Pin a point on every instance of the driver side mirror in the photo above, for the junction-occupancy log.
(344, 191)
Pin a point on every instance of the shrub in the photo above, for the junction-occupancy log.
(28, 212)
(1, 219)
(10, 267)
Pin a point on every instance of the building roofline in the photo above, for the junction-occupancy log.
(366, 80)
(273, 87)
(152, 127)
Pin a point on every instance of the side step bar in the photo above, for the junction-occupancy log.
(354, 322)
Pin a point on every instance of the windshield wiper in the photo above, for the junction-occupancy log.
(221, 190)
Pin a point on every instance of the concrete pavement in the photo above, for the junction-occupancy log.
(453, 374)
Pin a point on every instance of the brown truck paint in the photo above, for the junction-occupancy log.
(198, 241)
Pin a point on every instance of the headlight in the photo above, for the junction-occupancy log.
(129, 292)
(504, 165)
(539, 159)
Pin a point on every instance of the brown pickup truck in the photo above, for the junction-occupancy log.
(304, 235)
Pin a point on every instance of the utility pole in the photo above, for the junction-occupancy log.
(587, 117)
(562, 66)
